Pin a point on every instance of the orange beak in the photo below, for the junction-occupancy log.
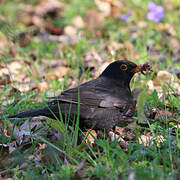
(138, 68)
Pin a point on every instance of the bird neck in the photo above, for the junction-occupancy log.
(120, 83)
(118, 78)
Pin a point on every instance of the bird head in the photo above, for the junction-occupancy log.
(123, 70)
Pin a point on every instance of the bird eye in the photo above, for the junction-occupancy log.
(124, 67)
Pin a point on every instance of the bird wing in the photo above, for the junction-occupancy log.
(80, 95)
(93, 93)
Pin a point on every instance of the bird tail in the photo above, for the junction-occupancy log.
(30, 113)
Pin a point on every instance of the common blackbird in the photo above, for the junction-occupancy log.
(102, 101)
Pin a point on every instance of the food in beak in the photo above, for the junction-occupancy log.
(143, 68)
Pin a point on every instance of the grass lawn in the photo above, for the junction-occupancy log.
(49, 46)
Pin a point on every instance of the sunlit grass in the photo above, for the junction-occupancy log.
(107, 159)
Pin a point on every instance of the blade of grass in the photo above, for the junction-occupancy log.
(77, 120)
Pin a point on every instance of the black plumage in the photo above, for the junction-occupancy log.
(102, 101)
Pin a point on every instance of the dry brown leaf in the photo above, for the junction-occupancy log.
(175, 44)
(25, 16)
(78, 22)
(93, 18)
(54, 30)
(57, 73)
(163, 78)
(129, 46)
(14, 67)
(3, 43)
(5, 159)
(24, 39)
(23, 133)
(5, 79)
(42, 86)
(170, 28)
(119, 130)
(142, 24)
(93, 55)
(167, 27)
(23, 87)
(146, 140)
(17, 72)
(125, 132)
(163, 115)
(109, 7)
(90, 135)
(11, 51)
(121, 141)
(42, 146)
(104, 7)
(49, 7)
(160, 139)
(71, 31)
(37, 21)
(116, 6)
(114, 46)
(18, 77)
(91, 61)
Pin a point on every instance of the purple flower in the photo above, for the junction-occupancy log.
(125, 17)
(156, 13)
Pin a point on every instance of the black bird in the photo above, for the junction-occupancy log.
(102, 101)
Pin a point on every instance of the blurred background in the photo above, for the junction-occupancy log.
(47, 46)
(85, 36)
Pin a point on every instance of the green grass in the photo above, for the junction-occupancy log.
(105, 160)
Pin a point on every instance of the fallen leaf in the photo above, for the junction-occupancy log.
(93, 19)
(167, 27)
(170, 29)
(57, 73)
(142, 24)
(51, 8)
(24, 39)
(78, 22)
(25, 18)
(42, 146)
(53, 29)
(163, 78)
(175, 44)
(114, 46)
(104, 7)
(72, 32)
(160, 139)
(23, 133)
(37, 21)
(25, 87)
(11, 51)
(42, 86)
(5, 80)
(89, 137)
(146, 140)
(163, 115)
(14, 67)
(121, 141)
(116, 7)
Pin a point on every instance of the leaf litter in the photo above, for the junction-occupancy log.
(15, 73)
